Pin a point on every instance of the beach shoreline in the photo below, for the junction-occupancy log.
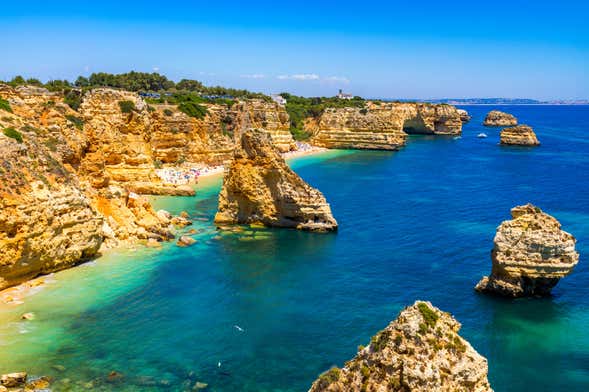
(16, 295)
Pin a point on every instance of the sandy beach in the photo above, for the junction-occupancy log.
(174, 175)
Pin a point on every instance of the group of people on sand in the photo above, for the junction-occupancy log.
(183, 176)
(189, 175)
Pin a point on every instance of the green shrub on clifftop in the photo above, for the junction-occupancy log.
(127, 106)
(73, 98)
(429, 316)
(330, 376)
(193, 109)
(78, 122)
(4, 105)
(13, 133)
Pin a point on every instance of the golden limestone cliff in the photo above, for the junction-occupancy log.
(51, 217)
(520, 135)
(269, 117)
(531, 254)
(381, 126)
(73, 180)
(177, 137)
(420, 351)
(118, 126)
(259, 187)
(46, 221)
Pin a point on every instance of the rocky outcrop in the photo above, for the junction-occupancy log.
(521, 135)
(259, 187)
(381, 126)
(496, 118)
(531, 254)
(419, 351)
(464, 116)
(129, 217)
(46, 221)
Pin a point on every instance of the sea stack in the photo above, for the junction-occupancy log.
(520, 135)
(496, 118)
(259, 187)
(419, 351)
(531, 254)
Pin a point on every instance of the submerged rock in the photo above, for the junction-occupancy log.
(115, 377)
(28, 316)
(496, 118)
(153, 243)
(419, 351)
(522, 135)
(12, 380)
(531, 254)
(184, 241)
(38, 384)
(259, 187)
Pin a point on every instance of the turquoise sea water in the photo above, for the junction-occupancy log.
(414, 224)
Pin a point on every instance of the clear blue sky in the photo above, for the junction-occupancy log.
(409, 49)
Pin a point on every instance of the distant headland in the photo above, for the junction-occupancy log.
(495, 101)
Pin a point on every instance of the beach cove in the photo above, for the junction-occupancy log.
(414, 224)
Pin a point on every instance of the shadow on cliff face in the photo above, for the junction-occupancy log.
(416, 126)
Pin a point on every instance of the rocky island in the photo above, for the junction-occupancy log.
(531, 254)
(496, 118)
(520, 135)
(259, 187)
(419, 351)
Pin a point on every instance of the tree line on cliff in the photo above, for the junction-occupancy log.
(188, 94)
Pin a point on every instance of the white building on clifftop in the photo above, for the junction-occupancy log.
(279, 99)
(342, 95)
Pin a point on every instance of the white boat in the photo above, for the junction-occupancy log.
(482, 135)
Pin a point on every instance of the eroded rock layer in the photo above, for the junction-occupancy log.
(382, 126)
(531, 254)
(520, 135)
(259, 187)
(420, 351)
(46, 221)
(496, 118)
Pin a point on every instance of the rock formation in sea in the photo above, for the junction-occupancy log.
(464, 116)
(520, 135)
(496, 118)
(259, 187)
(531, 254)
(420, 351)
(381, 126)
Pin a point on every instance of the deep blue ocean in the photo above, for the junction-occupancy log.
(414, 224)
